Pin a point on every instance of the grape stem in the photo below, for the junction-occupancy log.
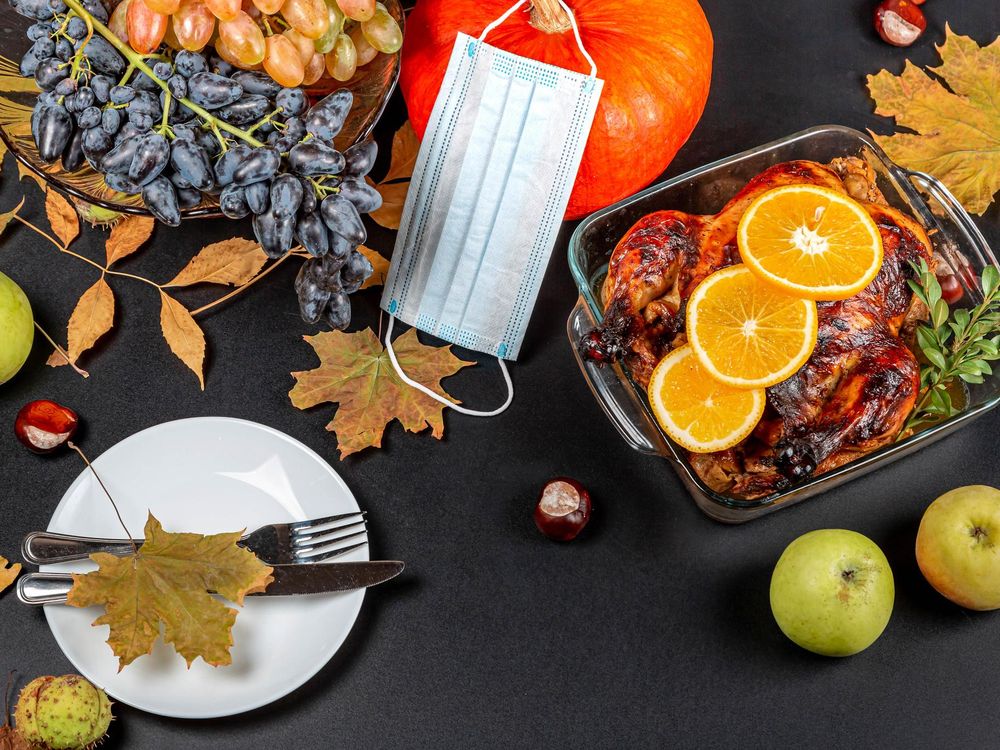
(136, 61)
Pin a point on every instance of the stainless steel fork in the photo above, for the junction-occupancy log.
(310, 541)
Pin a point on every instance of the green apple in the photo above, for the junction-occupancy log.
(832, 592)
(958, 546)
(17, 328)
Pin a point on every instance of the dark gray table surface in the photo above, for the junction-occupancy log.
(653, 629)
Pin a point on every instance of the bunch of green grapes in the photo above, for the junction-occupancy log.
(295, 41)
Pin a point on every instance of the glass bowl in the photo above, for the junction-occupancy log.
(957, 241)
(372, 86)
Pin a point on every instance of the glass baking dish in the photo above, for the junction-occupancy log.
(957, 241)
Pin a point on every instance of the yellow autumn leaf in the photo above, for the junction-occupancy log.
(396, 182)
(92, 317)
(956, 134)
(183, 335)
(355, 372)
(8, 574)
(127, 236)
(62, 217)
(26, 172)
(380, 266)
(234, 261)
(167, 584)
(8, 216)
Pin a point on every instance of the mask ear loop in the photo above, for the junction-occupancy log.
(572, 22)
(437, 397)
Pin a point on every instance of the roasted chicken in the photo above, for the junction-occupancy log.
(858, 387)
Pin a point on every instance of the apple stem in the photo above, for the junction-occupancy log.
(128, 534)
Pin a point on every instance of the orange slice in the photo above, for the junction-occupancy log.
(746, 333)
(810, 241)
(701, 414)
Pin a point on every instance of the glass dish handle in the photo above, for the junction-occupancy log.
(619, 402)
(956, 213)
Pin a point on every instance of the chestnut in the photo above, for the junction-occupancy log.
(563, 509)
(900, 22)
(45, 425)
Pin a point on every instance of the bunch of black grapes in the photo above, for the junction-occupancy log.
(138, 131)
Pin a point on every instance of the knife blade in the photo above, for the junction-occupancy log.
(326, 577)
(289, 580)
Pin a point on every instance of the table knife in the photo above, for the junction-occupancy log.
(52, 588)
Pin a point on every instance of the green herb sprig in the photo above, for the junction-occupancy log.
(957, 343)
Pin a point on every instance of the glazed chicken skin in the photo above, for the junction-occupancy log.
(858, 387)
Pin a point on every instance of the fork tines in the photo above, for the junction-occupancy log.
(319, 539)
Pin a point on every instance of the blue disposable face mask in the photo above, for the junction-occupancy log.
(488, 193)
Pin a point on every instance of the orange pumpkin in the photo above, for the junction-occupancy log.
(655, 59)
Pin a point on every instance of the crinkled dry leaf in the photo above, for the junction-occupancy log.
(6, 218)
(355, 373)
(8, 574)
(167, 583)
(957, 132)
(183, 335)
(92, 317)
(380, 264)
(127, 236)
(396, 182)
(62, 217)
(234, 261)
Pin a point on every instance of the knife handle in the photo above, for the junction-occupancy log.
(44, 588)
(43, 547)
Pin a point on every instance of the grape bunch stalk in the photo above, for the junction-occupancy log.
(174, 127)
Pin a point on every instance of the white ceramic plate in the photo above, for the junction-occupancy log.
(209, 475)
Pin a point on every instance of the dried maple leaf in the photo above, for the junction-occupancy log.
(234, 261)
(6, 218)
(8, 574)
(62, 217)
(183, 335)
(127, 236)
(168, 583)
(355, 373)
(396, 182)
(956, 134)
(92, 317)
(380, 264)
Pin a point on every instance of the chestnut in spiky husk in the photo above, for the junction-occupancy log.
(62, 713)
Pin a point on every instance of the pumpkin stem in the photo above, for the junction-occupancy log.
(549, 17)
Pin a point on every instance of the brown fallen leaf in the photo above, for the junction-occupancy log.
(8, 574)
(127, 236)
(62, 217)
(390, 213)
(956, 134)
(92, 317)
(6, 218)
(396, 182)
(380, 264)
(234, 261)
(166, 584)
(183, 335)
(355, 373)
(10, 738)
